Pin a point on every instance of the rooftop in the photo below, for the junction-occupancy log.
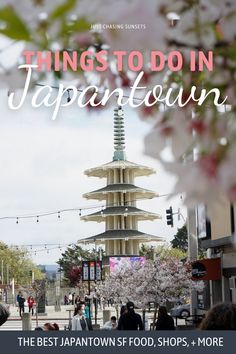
(102, 171)
(121, 211)
(121, 234)
(100, 194)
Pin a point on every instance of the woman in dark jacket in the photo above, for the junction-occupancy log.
(164, 322)
(21, 302)
(130, 320)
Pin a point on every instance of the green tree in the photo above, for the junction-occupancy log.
(71, 262)
(18, 265)
(180, 240)
(166, 252)
(147, 251)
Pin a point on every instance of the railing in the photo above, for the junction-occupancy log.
(194, 320)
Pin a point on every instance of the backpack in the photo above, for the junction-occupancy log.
(4, 314)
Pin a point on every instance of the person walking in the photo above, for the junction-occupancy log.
(73, 299)
(70, 298)
(164, 322)
(66, 300)
(21, 302)
(18, 296)
(31, 303)
(77, 300)
(130, 320)
(80, 322)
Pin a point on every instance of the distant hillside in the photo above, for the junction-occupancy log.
(50, 270)
(49, 267)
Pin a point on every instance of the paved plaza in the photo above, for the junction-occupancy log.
(14, 322)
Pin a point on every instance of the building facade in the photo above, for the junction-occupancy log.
(216, 235)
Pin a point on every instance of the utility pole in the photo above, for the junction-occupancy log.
(192, 250)
(7, 284)
(2, 273)
(7, 274)
(58, 292)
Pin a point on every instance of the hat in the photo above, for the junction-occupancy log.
(130, 305)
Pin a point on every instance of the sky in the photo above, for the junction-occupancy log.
(42, 164)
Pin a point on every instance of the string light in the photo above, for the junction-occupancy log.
(46, 248)
(59, 212)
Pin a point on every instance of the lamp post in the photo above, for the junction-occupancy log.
(91, 271)
(7, 284)
(58, 292)
(7, 275)
(192, 250)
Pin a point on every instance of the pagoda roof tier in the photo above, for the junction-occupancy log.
(102, 171)
(121, 211)
(121, 235)
(100, 194)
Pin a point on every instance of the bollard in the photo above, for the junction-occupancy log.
(106, 316)
(57, 306)
(26, 322)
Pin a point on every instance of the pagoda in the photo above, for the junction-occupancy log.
(120, 213)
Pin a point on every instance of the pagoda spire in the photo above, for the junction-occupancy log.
(120, 214)
(119, 135)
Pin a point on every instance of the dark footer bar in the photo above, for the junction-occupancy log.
(118, 342)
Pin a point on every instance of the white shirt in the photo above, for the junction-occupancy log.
(109, 326)
(76, 325)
